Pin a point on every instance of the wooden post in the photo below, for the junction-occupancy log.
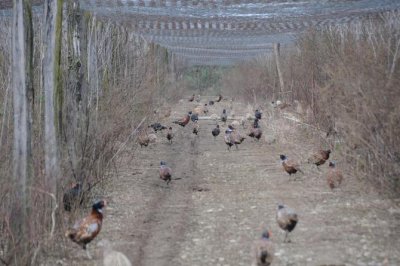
(58, 90)
(278, 68)
(74, 83)
(23, 102)
(49, 85)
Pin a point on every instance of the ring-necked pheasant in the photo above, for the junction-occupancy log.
(224, 116)
(143, 139)
(335, 176)
(85, 230)
(215, 132)
(237, 138)
(184, 121)
(257, 114)
(319, 157)
(290, 166)
(286, 219)
(256, 131)
(157, 127)
(196, 128)
(73, 196)
(228, 138)
(165, 172)
(191, 98)
(194, 117)
(263, 250)
(170, 135)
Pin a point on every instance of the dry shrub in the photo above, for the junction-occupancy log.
(124, 74)
(354, 92)
(348, 78)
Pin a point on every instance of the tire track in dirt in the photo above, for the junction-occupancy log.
(156, 225)
(166, 221)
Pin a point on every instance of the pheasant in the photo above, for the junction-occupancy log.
(287, 220)
(263, 250)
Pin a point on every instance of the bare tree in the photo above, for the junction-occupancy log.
(22, 99)
(49, 84)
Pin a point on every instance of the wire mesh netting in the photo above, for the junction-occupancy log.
(219, 32)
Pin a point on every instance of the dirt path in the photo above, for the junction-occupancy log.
(223, 200)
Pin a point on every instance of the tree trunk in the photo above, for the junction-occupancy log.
(75, 133)
(59, 92)
(278, 68)
(49, 85)
(23, 103)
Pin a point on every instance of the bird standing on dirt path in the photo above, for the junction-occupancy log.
(215, 132)
(157, 127)
(143, 139)
(287, 220)
(224, 116)
(191, 98)
(165, 172)
(184, 121)
(170, 135)
(257, 114)
(263, 250)
(205, 109)
(290, 166)
(237, 138)
(228, 138)
(85, 230)
(319, 157)
(196, 128)
(335, 176)
(255, 133)
(194, 117)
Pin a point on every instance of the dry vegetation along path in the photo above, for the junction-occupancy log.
(223, 200)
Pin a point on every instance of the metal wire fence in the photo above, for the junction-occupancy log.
(226, 31)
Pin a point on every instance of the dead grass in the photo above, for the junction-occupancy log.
(125, 77)
(344, 83)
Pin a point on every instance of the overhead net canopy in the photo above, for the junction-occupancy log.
(222, 32)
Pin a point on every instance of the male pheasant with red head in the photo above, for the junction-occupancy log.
(263, 250)
(85, 230)
(290, 166)
(319, 157)
(184, 121)
(165, 172)
(228, 138)
(256, 131)
(287, 220)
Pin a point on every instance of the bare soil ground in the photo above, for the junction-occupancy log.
(223, 200)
